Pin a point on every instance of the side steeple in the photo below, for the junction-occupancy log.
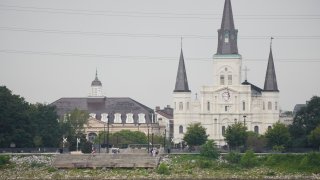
(181, 81)
(227, 34)
(270, 83)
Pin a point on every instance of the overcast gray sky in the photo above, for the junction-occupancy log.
(50, 49)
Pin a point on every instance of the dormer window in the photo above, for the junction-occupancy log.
(104, 117)
(92, 115)
(117, 118)
(129, 118)
(142, 118)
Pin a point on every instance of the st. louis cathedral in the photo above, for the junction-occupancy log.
(227, 100)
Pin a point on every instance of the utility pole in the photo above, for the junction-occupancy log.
(164, 139)
(108, 137)
(152, 140)
(148, 141)
(104, 133)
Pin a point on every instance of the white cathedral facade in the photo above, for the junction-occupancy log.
(227, 100)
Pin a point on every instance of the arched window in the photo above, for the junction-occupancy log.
(243, 105)
(208, 105)
(269, 127)
(225, 108)
(229, 79)
(269, 105)
(181, 129)
(226, 36)
(91, 136)
(276, 105)
(256, 129)
(223, 130)
(221, 79)
(180, 106)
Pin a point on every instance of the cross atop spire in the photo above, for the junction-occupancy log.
(270, 83)
(227, 34)
(181, 81)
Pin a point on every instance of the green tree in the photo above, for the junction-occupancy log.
(305, 121)
(209, 150)
(195, 135)
(255, 141)
(236, 135)
(72, 127)
(14, 120)
(123, 138)
(45, 127)
(26, 125)
(314, 138)
(278, 135)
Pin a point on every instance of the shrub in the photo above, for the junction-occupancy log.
(4, 160)
(209, 150)
(86, 147)
(233, 157)
(205, 164)
(278, 148)
(163, 169)
(249, 159)
(311, 160)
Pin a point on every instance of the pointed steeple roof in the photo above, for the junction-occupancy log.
(96, 81)
(270, 83)
(181, 81)
(227, 34)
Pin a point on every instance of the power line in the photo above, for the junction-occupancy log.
(108, 56)
(162, 13)
(153, 15)
(56, 31)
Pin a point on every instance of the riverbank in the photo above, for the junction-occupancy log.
(174, 167)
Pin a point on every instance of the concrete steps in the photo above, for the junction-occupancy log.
(105, 160)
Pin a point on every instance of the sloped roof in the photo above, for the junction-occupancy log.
(166, 112)
(255, 90)
(181, 80)
(270, 83)
(99, 105)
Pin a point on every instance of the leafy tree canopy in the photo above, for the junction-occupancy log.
(236, 135)
(195, 135)
(278, 135)
(305, 121)
(314, 138)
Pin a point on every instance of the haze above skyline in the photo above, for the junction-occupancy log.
(51, 49)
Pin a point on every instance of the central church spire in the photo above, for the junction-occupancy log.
(227, 34)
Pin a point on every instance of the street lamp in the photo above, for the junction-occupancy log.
(108, 136)
(164, 139)
(148, 141)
